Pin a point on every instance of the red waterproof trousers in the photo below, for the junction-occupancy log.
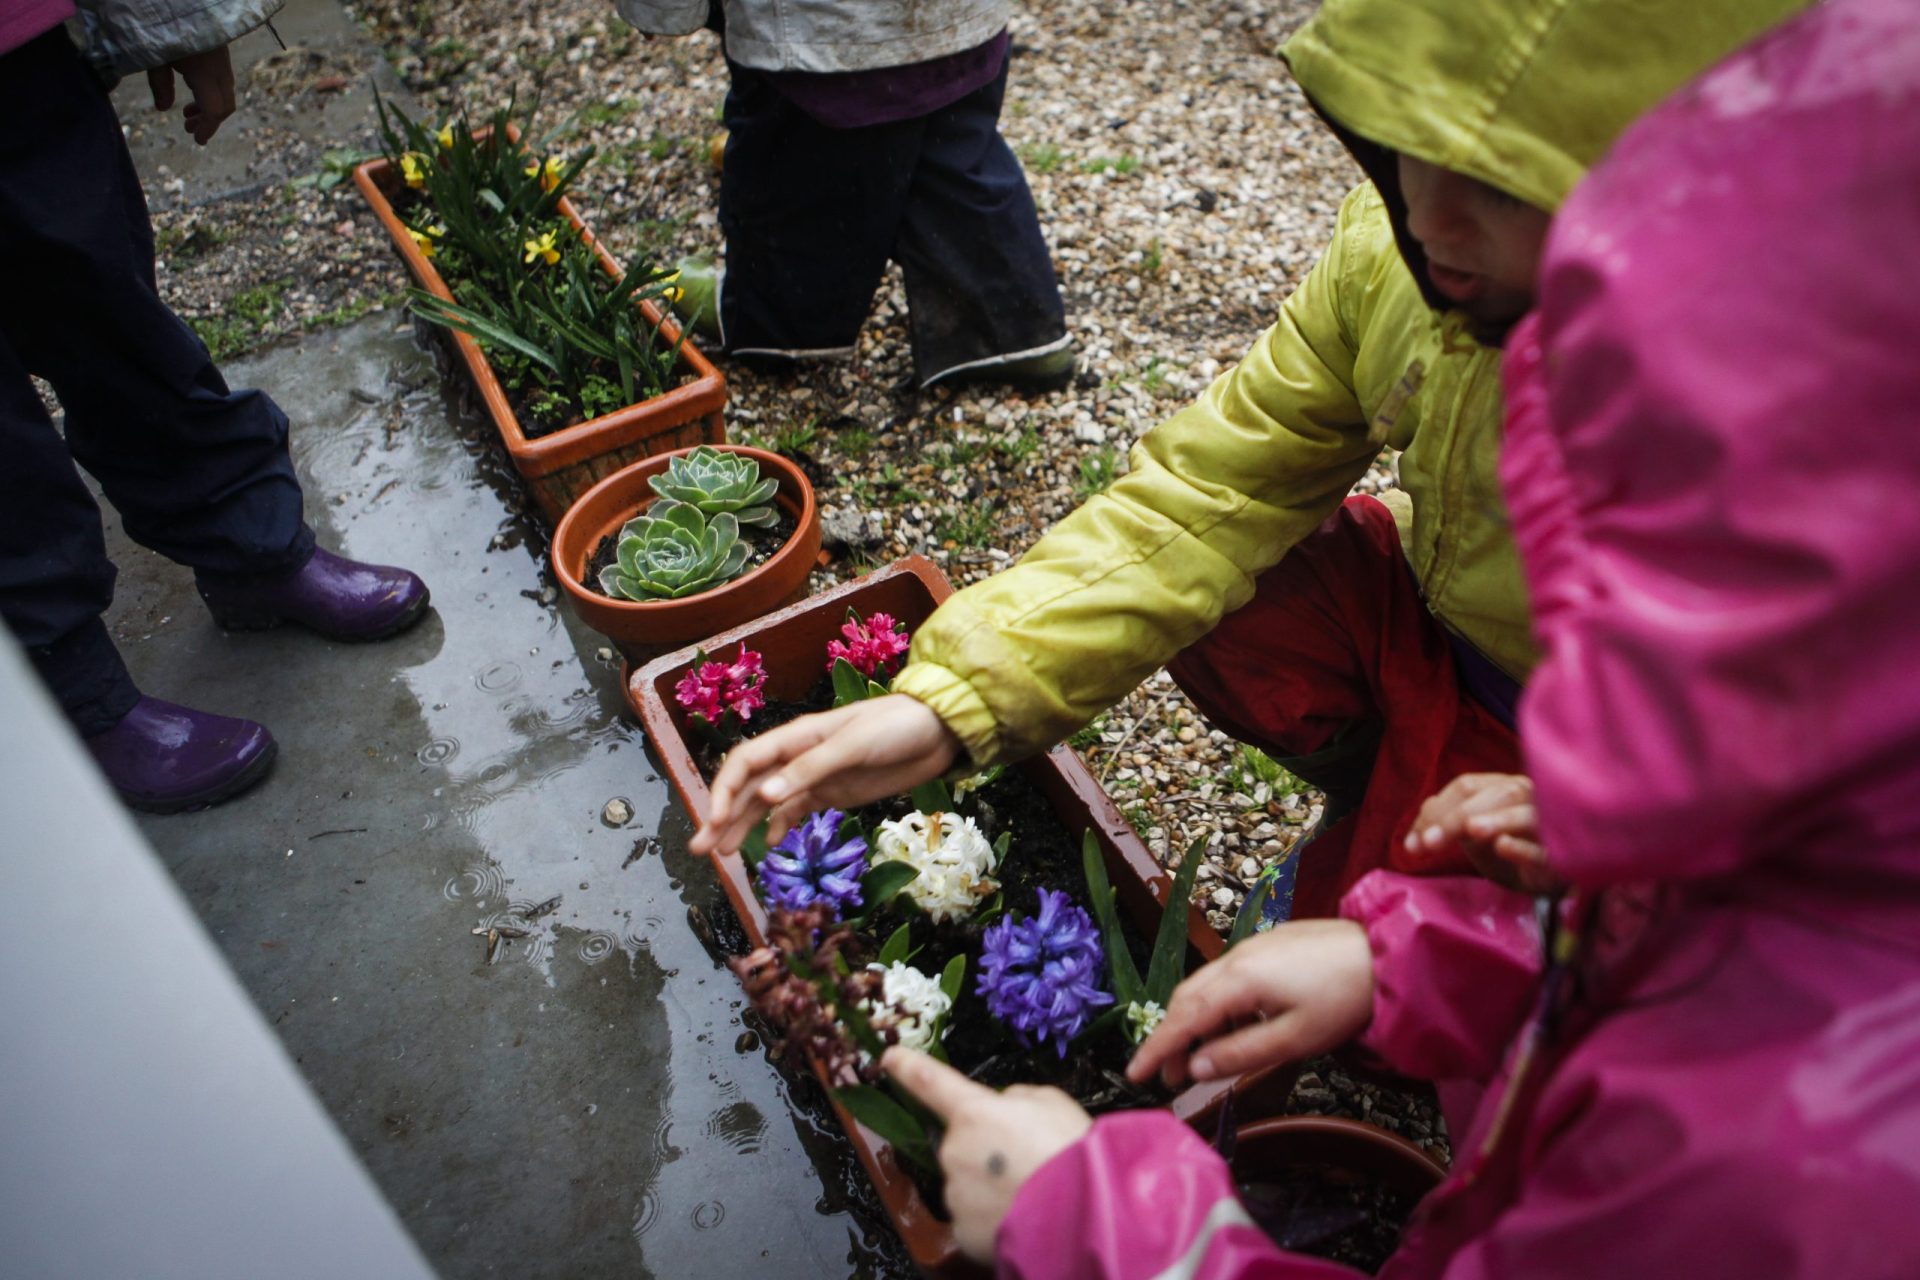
(1336, 636)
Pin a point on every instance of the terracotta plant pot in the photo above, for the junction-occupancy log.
(561, 465)
(642, 629)
(1286, 1142)
(1268, 1150)
(791, 643)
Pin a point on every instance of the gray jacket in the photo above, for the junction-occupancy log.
(830, 35)
(125, 36)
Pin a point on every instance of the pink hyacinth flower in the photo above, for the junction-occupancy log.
(746, 680)
(870, 646)
(712, 689)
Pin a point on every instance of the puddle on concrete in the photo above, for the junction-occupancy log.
(584, 1105)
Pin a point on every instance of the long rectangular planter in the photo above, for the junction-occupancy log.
(561, 465)
(791, 642)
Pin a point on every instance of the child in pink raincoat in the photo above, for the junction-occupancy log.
(1713, 467)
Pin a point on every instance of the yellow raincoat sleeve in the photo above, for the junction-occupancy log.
(1216, 494)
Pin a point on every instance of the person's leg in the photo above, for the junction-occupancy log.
(809, 213)
(55, 582)
(55, 578)
(198, 472)
(981, 292)
(1337, 648)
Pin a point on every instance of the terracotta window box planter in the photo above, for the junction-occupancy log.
(791, 642)
(644, 629)
(561, 465)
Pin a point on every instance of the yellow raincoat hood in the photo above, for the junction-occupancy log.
(1524, 95)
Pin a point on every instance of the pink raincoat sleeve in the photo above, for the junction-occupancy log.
(1141, 1197)
(1456, 961)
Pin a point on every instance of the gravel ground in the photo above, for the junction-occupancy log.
(1184, 185)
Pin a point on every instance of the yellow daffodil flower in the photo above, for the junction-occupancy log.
(549, 172)
(541, 246)
(672, 293)
(446, 136)
(413, 169)
(428, 239)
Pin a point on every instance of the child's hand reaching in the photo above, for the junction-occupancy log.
(1298, 990)
(1489, 817)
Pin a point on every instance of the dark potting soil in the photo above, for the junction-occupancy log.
(1331, 1213)
(764, 541)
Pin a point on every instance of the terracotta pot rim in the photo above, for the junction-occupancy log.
(1374, 1150)
(634, 476)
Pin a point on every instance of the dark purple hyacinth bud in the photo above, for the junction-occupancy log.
(1041, 974)
(812, 864)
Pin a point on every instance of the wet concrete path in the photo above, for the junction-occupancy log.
(582, 1106)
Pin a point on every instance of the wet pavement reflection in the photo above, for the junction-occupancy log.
(484, 967)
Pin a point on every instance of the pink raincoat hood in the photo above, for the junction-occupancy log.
(1715, 478)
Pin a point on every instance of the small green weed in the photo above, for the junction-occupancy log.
(240, 327)
(959, 453)
(972, 525)
(336, 167)
(854, 442)
(596, 114)
(348, 312)
(662, 145)
(1043, 157)
(1019, 446)
(1121, 165)
(1255, 767)
(1153, 376)
(796, 437)
(1097, 471)
(185, 244)
(1088, 735)
(1153, 258)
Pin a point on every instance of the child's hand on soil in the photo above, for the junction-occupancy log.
(993, 1143)
(1490, 817)
(1301, 989)
(844, 758)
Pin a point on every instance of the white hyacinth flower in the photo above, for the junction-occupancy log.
(1142, 1017)
(954, 860)
(911, 1003)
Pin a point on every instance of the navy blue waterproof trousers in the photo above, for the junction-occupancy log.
(198, 472)
(812, 214)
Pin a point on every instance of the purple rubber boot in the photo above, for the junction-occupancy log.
(339, 598)
(163, 758)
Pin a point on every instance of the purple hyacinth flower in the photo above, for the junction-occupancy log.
(1041, 975)
(812, 864)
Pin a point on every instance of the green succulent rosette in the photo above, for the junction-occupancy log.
(719, 483)
(674, 550)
